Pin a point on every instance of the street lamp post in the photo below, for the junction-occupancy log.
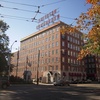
(9, 59)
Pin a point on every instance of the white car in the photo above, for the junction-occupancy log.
(62, 83)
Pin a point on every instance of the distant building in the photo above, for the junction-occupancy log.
(92, 65)
(52, 54)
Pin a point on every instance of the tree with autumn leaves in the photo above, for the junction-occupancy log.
(90, 22)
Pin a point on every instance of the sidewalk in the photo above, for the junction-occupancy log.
(87, 85)
(43, 83)
(77, 85)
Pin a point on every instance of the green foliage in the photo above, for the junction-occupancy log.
(3, 26)
(4, 43)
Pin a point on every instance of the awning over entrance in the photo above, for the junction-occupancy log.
(52, 73)
(91, 75)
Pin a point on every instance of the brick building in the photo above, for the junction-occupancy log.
(92, 66)
(52, 54)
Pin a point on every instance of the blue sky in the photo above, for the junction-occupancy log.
(20, 28)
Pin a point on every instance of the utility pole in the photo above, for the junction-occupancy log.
(38, 67)
(17, 63)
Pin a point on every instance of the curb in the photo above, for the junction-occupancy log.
(43, 83)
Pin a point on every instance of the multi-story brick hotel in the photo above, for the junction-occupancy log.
(50, 55)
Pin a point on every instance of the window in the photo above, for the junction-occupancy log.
(68, 60)
(45, 53)
(56, 51)
(63, 59)
(45, 46)
(48, 46)
(71, 46)
(49, 39)
(52, 59)
(46, 40)
(42, 61)
(71, 53)
(68, 45)
(74, 61)
(68, 52)
(78, 48)
(56, 43)
(92, 60)
(63, 43)
(63, 36)
(52, 44)
(71, 39)
(74, 54)
(52, 52)
(93, 65)
(56, 59)
(57, 29)
(56, 36)
(52, 37)
(56, 67)
(42, 41)
(71, 60)
(53, 30)
(48, 53)
(63, 51)
(68, 38)
(49, 60)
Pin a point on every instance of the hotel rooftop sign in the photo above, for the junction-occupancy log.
(48, 19)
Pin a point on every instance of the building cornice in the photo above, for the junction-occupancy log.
(40, 31)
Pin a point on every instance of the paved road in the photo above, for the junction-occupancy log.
(49, 92)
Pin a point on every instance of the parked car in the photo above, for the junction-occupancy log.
(62, 83)
(77, 81)
(74, 81)
(4, 83)
(98, 80)
(88, 81)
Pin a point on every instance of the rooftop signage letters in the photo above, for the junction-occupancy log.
(48, 19)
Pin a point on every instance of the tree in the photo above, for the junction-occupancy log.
(3, 26)
(4, 42)
(3, 64)
(90, 22)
